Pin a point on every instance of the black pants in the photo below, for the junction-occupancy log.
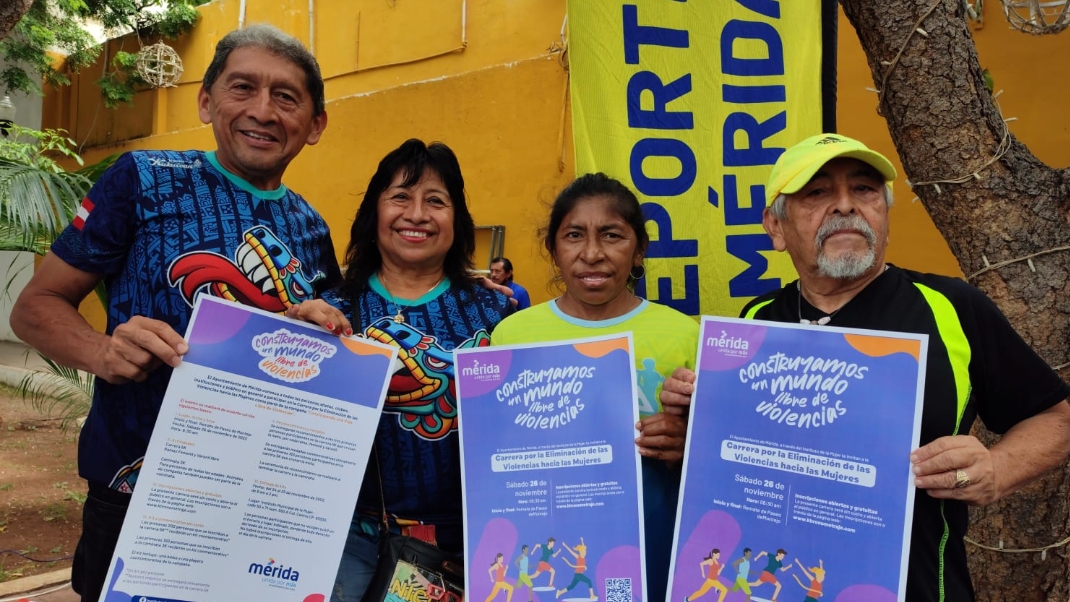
(102, 519)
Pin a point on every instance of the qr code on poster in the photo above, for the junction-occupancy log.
(618, 590)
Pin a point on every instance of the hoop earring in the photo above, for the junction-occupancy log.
(642, 272)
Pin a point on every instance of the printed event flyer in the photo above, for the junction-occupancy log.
(248, 486)
(552, 488)
(797, 481)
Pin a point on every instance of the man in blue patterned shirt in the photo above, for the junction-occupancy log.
(161, 227)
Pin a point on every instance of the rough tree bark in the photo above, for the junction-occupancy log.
(946, 125)
(11, 11)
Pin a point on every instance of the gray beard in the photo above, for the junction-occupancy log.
(846, 266)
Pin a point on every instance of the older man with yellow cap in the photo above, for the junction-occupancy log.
(828, 198)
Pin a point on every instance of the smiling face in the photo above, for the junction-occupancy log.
(595, 250)
(261, 114)
(836, 226)
(415, 228)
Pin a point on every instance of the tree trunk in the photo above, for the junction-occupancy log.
(11, 11)
(946, 125)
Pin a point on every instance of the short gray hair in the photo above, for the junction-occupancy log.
(780, 211)
(276, 42)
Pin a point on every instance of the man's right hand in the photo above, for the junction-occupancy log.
(138, 347)
(46, 317)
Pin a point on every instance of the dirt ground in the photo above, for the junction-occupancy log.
(41, 494)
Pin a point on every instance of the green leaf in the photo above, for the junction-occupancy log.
(59, 392)
(59, 25)
(32, 197)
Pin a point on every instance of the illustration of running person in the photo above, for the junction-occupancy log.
(648, 380)
(769, 572)
(544, 560)
(816, 577)
(580, 554)
(713, 561)
(522, 564)
(497, 576)
(742, 567)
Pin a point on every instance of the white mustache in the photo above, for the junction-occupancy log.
(844, 222)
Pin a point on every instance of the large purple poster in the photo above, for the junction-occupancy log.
(551, 473)
(797, 481)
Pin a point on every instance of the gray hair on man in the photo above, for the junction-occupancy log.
(274, 40)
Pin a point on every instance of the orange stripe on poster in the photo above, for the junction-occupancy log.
(875, 346)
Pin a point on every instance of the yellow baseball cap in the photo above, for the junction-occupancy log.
(798, 164)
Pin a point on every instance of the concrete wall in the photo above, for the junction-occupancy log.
(491, 88)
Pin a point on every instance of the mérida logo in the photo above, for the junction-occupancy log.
(274, 571)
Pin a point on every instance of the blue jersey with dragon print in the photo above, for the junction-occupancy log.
(161, 227)
(416, 444)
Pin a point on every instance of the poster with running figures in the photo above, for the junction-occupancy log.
(248, 486)
(797, 480)
(552, 501)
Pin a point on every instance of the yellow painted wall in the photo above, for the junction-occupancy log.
(1022, 66)
(493, 88)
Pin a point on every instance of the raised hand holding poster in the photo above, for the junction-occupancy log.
(797, 482)
(553, 508)
(248, 486)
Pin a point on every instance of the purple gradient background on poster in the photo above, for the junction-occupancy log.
(502, 358)
(724, 497)
(498, 520)
(220, 337)
(733, 333)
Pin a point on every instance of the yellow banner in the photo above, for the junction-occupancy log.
(690, 104)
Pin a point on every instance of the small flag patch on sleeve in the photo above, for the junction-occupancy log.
(83, 213)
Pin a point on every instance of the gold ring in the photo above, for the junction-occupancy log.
(961, 479)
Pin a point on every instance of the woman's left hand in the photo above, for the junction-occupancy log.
(320, 312)
(662, 436)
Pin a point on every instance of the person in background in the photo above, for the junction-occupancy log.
(160, 227)
(597, 238)
(828, 198)
(501, 273)
(408, 283)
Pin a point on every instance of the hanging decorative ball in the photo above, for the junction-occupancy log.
(1038, 16)
(159, 65)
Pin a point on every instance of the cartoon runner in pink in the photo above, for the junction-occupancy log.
(580, 554)
(497, 576)
(713, 561)
(816, 575)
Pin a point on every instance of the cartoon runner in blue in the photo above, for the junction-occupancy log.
(522, 563)
(647, 381)
(742, 567)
